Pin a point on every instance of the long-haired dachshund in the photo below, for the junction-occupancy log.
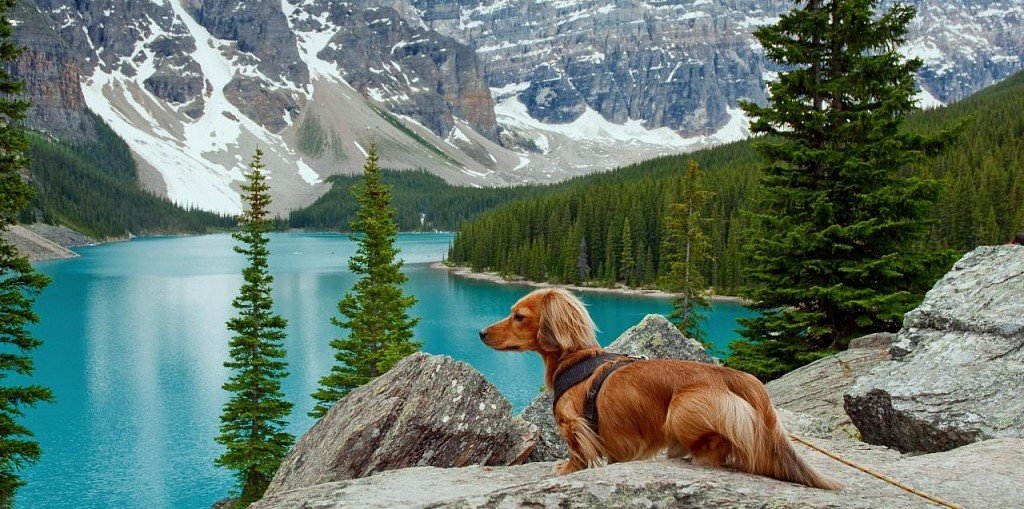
(715, 415)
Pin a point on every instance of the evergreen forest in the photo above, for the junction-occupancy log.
(94, 188)
(982, 177)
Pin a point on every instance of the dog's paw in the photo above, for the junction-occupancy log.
(565, 467)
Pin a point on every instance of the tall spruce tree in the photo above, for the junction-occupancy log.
(685, 249)
(254, 418)
(837, 243)
(19, 282)
(375, 311)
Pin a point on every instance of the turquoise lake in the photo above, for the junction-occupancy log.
(135, 340)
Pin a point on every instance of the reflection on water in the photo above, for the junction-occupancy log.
(135, 341)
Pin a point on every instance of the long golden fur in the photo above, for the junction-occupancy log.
(714, 415)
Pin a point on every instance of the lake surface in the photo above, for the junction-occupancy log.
(135, 341)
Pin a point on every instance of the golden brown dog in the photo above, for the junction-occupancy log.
(715, 415)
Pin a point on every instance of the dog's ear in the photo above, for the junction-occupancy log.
(565, 323)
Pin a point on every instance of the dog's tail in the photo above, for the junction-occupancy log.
(757, 442)
(786, 463)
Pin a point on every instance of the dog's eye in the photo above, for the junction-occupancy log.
(517, 317)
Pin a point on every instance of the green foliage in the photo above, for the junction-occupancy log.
(19, 282)
(375, 311)
(839, 237)
(253, 421)
(983, 171)
(254, 418)
(685, 250)
(93, 188)
(423, 202)
(312, 140)
(584, 219)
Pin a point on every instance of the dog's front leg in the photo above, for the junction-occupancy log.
(585, 447)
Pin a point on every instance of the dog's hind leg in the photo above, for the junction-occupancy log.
(585, 449)
(697, 420)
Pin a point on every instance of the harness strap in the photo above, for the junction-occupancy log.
(577, 373)
(583, 370)
(590, 407)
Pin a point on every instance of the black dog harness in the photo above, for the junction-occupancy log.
(580, 372)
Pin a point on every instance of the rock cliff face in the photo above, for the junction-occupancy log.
(681, 65)
(958, 363)
(52, 77)
(409, 69)
(965, 45)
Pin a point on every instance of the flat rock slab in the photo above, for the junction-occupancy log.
(957, 372)
(654, 337)
(817, 389)
(427, 410)
(987, 474)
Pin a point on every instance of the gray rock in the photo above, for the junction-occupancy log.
(817, 388)
(657, 338)
(653, 337)
(958, 363)
(427, 410)
(988, 474)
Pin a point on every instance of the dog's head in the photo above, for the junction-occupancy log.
(550, 320)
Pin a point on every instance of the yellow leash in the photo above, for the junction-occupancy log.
(883, 477)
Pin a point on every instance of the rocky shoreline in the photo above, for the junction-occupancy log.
(494, 277)
(46, 242)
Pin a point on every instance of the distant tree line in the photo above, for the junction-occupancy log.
(422, 202)
(607, 229)
(982, 202)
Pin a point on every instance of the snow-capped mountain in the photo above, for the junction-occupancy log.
(481, 92)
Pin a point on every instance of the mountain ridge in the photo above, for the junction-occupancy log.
(482, 93)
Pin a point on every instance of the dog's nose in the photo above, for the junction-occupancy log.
(483, 334)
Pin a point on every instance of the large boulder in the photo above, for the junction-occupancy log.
(816, 390)
(988, 474)
(653, 337)
(427, 410)
(957, 369)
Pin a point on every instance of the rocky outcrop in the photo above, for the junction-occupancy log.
(653, 337)
(988, 474)
(957, 369)
(426, 411)
(816, 390)
(657, 338)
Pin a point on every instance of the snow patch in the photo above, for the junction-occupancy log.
(926, 101)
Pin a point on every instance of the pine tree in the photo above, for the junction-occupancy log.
(685, 248)
(627, 264)
(19, 282)
(838, 241)
(254, 418)
(376, 310)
